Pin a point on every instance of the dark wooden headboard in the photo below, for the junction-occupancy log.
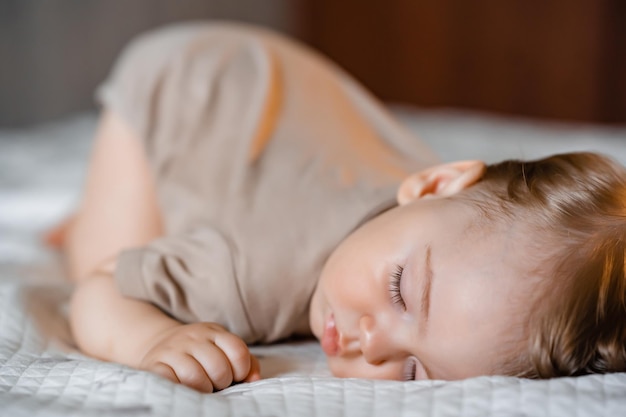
(562, 59)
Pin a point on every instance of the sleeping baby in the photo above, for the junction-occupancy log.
(243, 189)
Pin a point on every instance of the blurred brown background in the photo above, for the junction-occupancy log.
(557, 59)
(561, 59)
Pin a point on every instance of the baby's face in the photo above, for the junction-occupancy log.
(417, 293)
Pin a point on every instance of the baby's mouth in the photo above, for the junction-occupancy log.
(330, 337)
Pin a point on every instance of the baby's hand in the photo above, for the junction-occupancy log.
(203, 356)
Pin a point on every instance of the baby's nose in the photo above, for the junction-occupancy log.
(375, 344)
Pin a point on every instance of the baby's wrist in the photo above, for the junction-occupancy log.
(150, 340)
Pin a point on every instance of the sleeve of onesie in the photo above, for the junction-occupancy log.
(191, 277)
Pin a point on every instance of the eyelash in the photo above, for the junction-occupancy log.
(410, 370)
(394, 287)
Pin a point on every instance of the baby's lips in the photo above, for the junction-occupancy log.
(330, 338)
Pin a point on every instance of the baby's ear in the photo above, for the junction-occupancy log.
(440, 180)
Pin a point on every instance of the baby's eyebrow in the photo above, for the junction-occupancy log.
(426, 288)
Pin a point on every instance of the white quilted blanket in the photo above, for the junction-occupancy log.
(41, 170)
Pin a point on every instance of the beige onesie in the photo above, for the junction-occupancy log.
(266, 156)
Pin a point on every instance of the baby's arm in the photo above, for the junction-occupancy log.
(112, 327)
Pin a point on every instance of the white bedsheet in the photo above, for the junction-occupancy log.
(41, 171)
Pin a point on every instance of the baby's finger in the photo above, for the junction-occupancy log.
(255, 370)
(237, 352)
(215, 363)
(164, 370)
(190, 372)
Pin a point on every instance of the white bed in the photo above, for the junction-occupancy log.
(41, 171)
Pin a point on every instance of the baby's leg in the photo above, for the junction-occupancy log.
(119, 208)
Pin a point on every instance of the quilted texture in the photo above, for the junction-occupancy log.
(41, 374)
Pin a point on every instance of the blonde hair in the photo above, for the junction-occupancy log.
(576, 204)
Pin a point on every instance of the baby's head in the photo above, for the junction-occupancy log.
(516, 268)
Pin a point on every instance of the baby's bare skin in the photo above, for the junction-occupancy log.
(203, 356)
(119, 206)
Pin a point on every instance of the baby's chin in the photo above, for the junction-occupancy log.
(316, 316)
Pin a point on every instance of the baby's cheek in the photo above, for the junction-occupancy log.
(357, 367)
(339, 293)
